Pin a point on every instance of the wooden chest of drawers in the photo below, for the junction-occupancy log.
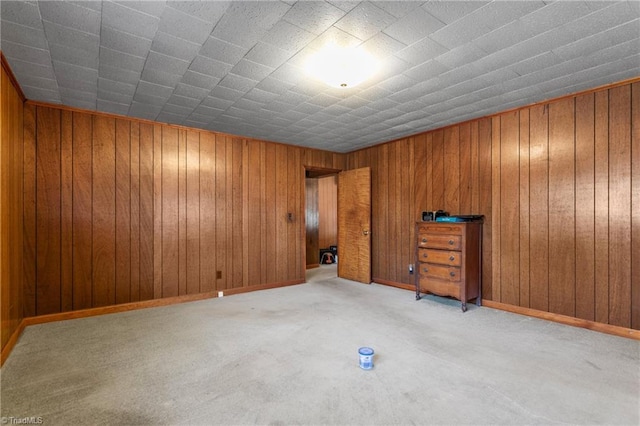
(448, 260)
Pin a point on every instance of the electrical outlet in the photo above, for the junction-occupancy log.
(411, 268)
(220, 294)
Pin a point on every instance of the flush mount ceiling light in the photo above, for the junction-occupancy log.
(342, 68)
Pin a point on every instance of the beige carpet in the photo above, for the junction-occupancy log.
(289, 356)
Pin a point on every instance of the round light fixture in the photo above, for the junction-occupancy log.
(342, 68)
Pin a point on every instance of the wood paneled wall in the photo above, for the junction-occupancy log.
(123, 210)
(311, 214)
(11, 204)
(559, 185)
(328, 211)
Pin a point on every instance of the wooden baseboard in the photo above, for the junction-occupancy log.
(395, 284)
(565, 319)
(11, 342)
(239, 290)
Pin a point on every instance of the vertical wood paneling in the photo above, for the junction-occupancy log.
(280, 207)
(82, 211)
(293, 212)
(429, 171)
(29, 212)
(465, 181)
(585, 207)
(254, 234)
(381, 216)
(123, 211)
(269, 232)
(327, 211)
(484, 202)
(12, 151)
(207, 209)
(602, 206)
(135, 211)
(523, 189)
(237, 214)
(182, 212)
(66, 211)
(451, 172)
(635, 206)
(48, 214)
(403, 244)
(437, 171)
(562, 270)
(392, 213)
(221, 212)
(169, 223)
(496, 288)
(193, 212)
(509, 208)
(104, 206)
(420, 177)
(147, 206)
(228, 268)
(539, 207)
(312, 221)
(620, 206)
(157, 212)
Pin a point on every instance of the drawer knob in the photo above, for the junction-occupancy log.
(424, 240)
(451, 242)
(453, 274)
(424, 254)
(452, 258)
(425, 270)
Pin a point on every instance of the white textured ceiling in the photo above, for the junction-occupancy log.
(238, 66)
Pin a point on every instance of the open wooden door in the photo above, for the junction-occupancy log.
(354, 225)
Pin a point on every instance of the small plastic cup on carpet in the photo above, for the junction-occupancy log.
(366, 358)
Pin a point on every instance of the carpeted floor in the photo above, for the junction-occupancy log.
(290, 356)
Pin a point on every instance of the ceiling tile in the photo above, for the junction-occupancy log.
(170, 45)
(20, 34)
(211, 67)
(160, 77)
(21, 68)
(222, 51)
(287, 36)
(414, 27)
(196, 79)
(119, 74)
(585, 46)
(71, 15)
(26, 53)
(153, 8)
(245, 23)
(365, 20)
(381, 45)
(118, 98)
(66, 36)
(168, 64)
(112, 107)
(187, 90)
(185, 26)
(269, 55)
(123, 18)
(83, 58)
(451, 11)
(313, 16)
(21, 12)
(146, 88)
(251, 70)
(121, 60)
(123, 42)
(208, 11)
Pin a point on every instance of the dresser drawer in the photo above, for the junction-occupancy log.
(440, 241)
(439, 256)
(447, 273)
(439, 287)
(440, 228)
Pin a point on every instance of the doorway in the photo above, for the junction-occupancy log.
(321, 227)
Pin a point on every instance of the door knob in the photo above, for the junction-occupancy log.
(365, 232)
